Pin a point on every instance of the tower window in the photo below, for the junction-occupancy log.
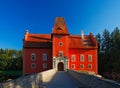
(60, 53)
(60, 36)
(82, 58)
(90, 58)
(60, 43)
(33, 57)
(73, 58)
(44, 56)
(33, 65)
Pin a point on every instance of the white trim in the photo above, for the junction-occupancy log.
(81, 66)
(73, 66)
(60, 44)
(60, 52)
(82, 58)
(44, 56)
(33, 56)
(32, 65)
(90, 66)
(44, 65)
(73, 58)
(89, 56)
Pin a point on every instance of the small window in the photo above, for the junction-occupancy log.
(33, 57)
(33, 65)
(44, 56)
(45, 65)
(90, 58)
(73, 58)
(82, 58)
(89, 66)
(82, 66)
(73, 66)
(60, 54)
(60, 43)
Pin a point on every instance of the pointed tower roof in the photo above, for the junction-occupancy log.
(60, 26)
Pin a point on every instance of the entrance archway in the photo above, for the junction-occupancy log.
(60, 66)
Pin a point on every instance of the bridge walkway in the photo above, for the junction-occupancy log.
(63, 80)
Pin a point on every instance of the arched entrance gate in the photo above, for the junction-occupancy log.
(60, 66)
(60, 63)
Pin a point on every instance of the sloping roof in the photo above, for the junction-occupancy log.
(60, 26)
(38, 37)
(38, 40)
(76, 41)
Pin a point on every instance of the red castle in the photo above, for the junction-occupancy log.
(59, 50)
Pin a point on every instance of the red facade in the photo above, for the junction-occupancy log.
(59, 50)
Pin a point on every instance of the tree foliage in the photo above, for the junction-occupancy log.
(109, 51)
(10, 59)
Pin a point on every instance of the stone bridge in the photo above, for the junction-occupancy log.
(60, 79)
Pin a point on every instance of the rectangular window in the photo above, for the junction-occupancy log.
(60, 54)
(33, 65)
(89, 58)
(82, 66)
(82, 58)
(73, 66)
(33, 57)
(89, 66)
(45, 65)
(73, 58)
(44, 56)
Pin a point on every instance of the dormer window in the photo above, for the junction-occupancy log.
(59, 28)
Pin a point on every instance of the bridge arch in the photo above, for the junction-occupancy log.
(60, 66)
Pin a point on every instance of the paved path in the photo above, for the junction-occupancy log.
(62, 80)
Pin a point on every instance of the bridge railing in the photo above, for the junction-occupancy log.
(92, 81)
(30, 81)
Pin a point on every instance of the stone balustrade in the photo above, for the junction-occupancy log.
(93, 81)
(30, 81)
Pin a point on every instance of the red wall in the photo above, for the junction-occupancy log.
(39, 62)
(57, 48)
(85, 52)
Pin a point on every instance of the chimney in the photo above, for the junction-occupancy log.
(82, 34)
(26, 34)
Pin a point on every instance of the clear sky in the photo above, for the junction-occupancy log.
(38, 17)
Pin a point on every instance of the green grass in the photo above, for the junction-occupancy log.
(10, 72)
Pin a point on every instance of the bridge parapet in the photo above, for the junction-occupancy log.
(30, 81)
(93, 81)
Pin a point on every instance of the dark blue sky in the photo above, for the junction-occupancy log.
(38, 16)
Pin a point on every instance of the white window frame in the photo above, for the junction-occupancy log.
(44, 56)
(33, 55)
(34, 65)
(89, 56)
(44, 65)
(89, 65)
(82, 65)
(73, 58)
(82, 58)
(73, 66)
(60, 52)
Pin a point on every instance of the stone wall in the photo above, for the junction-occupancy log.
(30, 81)
(92, 81)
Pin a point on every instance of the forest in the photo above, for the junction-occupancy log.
(109, 54)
